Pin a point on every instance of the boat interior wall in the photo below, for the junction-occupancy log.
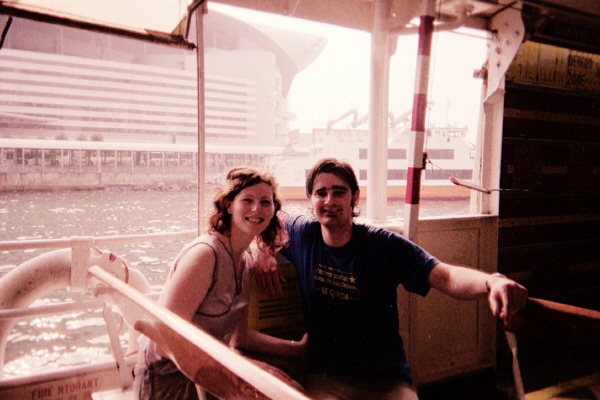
(447, 337)
(548, 233)
(551, 147)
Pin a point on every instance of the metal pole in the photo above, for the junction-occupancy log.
(417, 134)
(477, 198)
(378, 111)
(201, 115)
(505, 42)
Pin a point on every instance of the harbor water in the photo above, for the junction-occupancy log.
(71, 339)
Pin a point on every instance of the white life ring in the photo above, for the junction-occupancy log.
(52, 271)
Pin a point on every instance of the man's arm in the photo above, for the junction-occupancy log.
(505, 296)
(266, 272)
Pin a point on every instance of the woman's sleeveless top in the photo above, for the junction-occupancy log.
(224, 306)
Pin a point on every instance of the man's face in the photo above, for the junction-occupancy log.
(332, 201)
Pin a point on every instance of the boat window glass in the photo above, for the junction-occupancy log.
(328, 102)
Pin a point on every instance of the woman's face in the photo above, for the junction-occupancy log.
(252, 209)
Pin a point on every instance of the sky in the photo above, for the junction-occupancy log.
(338, 80)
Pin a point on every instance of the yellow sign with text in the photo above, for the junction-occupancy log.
(556, 67)
(278, 317)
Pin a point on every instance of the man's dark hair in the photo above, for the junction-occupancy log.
(341, 169)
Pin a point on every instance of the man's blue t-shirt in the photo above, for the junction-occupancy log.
(349, 298)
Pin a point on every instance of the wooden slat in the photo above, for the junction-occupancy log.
(548, 204)
(548, 233)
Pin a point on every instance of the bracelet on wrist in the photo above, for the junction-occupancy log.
(494, 275)
(295, 349)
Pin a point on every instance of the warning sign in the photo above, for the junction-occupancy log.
(548, 65)
(281, 317)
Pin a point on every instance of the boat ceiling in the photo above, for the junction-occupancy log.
(161, 21)
(574, 24)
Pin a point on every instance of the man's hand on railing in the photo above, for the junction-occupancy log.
(266, 272)
(301, 347)
(506, 297)
(563, 323)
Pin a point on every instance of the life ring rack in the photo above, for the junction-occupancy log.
(67, 269)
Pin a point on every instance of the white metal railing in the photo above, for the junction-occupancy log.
(229, 374)
(80, 257)
(90, 241)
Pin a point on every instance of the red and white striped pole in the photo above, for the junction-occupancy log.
(417, 134)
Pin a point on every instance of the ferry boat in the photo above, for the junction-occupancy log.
(448, 153)
(537, 138)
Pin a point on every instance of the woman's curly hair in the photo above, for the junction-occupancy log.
(237, 179)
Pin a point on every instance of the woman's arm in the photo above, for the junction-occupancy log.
(252, 340)
(505, 296)
(188, 285)
(266, 272)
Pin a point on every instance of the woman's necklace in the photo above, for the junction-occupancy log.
(229, 248)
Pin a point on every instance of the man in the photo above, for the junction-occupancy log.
(348, 275)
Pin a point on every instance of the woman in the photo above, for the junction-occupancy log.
(209, 283)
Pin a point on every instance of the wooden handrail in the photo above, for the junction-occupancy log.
(202, 358)
(574, 326)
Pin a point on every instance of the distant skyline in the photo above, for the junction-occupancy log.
(338, 80)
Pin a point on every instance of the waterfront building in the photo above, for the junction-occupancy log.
(58, 82)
